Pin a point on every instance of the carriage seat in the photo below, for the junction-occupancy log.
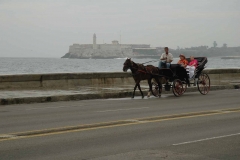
(174, 66)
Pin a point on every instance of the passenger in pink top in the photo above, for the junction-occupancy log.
(193, 62)
(192, 66)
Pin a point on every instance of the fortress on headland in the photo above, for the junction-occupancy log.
(117, 50)
(114, 50)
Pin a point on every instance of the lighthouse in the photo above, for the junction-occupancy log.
(94, 41)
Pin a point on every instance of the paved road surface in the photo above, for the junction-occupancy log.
(189, 127)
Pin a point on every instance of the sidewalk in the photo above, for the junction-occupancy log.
(81, 93)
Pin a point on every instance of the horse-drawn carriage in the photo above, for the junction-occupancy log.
(176, 77)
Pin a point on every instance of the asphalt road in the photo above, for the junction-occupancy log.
(189, 127)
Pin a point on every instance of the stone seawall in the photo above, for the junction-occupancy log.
(71, 80)
(224, 76)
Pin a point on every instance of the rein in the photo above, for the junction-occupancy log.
(151, 61)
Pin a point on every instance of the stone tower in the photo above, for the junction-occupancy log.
(94, 41)
(214, 44)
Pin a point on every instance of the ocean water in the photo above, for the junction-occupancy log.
(10, 66)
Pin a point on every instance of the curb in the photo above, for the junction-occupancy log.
(56, 98)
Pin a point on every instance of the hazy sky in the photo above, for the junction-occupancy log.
(46, 28)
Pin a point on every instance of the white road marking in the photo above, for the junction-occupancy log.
(206, 139)
(48, 107)
(122, 109)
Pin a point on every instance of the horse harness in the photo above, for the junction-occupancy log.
(140, 68)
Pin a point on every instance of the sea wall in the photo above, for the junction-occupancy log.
(116, 79)
(224, 76)
(64, 80)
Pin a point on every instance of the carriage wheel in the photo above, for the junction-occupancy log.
(184, 87)
(155, 89)
(203, 83)
(177, 87)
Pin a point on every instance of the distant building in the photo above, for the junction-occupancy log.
(114, 50)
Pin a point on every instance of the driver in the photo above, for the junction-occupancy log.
(165, 59)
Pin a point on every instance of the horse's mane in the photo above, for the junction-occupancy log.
(141, 66)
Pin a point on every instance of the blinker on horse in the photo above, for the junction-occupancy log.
(141, 72)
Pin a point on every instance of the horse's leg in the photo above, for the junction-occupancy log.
(150, 87)
(159, 84)
(159, 88)
(140, 90)
(135, 89)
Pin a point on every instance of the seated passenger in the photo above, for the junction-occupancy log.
(166, 59)
(192, 66)
(183, 62)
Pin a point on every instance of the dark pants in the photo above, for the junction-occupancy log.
(162, 64)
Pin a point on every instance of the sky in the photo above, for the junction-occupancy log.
(46, 28)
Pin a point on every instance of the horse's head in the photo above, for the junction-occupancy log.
(127, 64)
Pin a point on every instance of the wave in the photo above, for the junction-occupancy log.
(121, 58)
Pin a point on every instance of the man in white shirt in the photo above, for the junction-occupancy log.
(165, 59)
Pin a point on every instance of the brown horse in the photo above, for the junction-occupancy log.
(141, 72)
